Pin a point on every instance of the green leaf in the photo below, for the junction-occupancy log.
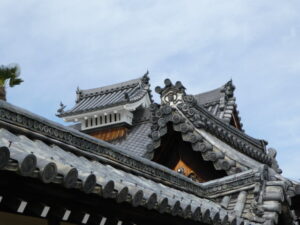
(10, 74)
(14, 82)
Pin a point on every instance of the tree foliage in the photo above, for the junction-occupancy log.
(10, 75)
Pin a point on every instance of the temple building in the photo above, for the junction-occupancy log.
(129, 160)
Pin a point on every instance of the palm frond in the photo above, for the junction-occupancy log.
(5, 74)
(10, 74)
(14, 82)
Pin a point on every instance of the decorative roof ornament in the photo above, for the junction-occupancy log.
(272, 152)
(126, 96)
(175, 96)
(146, 84)
(171, 93)
(228, 89)
(78, 90)
(227, 93)
(145, 79)
(78, 94)
(62, 108)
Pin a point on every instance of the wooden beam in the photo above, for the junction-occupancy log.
(103, 221)
(14, 204)
(60, 199)
(22, 206)
(112, 221)
(37, 208)
(45, 211)
(85, 218)
(66, 215)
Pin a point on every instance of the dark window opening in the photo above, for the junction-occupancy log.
(174, 152)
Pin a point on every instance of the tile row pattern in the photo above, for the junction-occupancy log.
(202, 119)
(220, 102)
(35, 158)
(25, 122)
(161, 115)
(114, 95)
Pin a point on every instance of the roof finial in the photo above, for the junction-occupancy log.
(126, 96)
(145, 79)
(62, 108)
(178, 87)
(77, 90)
(147, 73)
(229, 88)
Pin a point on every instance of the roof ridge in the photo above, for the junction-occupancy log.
(256, 148)
(227, 84)
(112, 87)
(24, 121)
(132, 100)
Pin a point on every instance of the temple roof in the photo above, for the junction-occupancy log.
(137, 137)
(195, 123)
(220, 102)
(35, 147)
(108, 96)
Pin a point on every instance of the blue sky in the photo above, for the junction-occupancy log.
(64, 44)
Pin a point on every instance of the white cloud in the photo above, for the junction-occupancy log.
(62, 44)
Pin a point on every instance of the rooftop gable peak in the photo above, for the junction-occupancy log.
(111, 96)
(171, 93)
(141, 82)
(175, 97)
(228, 89)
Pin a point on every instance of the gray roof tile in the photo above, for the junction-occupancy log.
(136, 140)
(220, 102)
(102, 175)
(108, 96)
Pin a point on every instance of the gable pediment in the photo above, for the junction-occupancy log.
(227, 147)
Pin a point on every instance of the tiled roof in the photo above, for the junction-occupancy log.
(53, 164)
(108, 96)
(136, 140)
(137, 137)
(36, 147)
(199, 118)
(23, 121)
(220, 102)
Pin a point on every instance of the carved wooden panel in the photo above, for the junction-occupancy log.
(110, 134)
(186, 170)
